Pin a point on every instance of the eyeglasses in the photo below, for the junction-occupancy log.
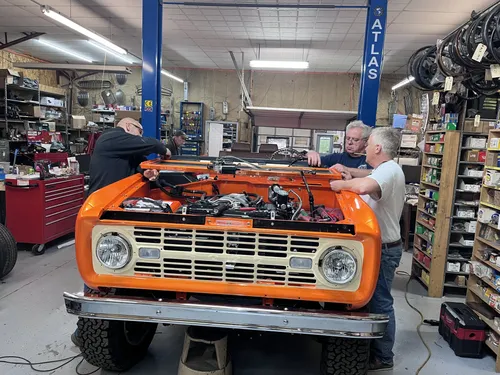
(141, 130)
(353, 140)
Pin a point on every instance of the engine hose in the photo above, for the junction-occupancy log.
(299, 208)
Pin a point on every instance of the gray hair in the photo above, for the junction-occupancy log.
(388, 138)
(366, 130)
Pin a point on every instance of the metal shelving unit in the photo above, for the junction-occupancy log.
(33, 98)
(463, 200)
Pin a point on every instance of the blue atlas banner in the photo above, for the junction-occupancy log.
(371, 70)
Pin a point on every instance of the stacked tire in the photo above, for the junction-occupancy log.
(8, 251)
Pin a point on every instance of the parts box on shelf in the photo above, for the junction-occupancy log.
(462, 329)
(471, 126)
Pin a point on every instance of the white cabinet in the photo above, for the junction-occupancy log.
(220, 136)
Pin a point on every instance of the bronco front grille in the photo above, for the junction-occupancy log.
(226, 256)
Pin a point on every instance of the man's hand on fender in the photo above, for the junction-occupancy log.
(338, 167)
(313, 159)
(151, 174)
(336, 185)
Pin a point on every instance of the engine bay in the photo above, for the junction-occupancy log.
(226, 195)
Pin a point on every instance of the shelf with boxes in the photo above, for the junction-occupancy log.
(192, 123)
(470, 170)
(29, 106)
(483, 294)
(435, 206)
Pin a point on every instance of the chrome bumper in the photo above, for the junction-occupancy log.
(323, 323)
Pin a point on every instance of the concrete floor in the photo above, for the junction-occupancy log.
(35, 325)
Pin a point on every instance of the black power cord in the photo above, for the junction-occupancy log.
(9, 359)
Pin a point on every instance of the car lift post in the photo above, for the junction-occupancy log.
(152, 17)
(371, 69)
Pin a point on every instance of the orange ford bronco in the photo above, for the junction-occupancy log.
(235, 245)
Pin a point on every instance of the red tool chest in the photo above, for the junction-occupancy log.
(462, 329)
(39, 211)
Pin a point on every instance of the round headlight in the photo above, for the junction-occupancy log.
(339, 266)
(113, 251)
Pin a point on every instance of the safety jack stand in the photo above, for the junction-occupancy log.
(205, 352)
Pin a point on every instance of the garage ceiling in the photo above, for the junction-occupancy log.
(331, 40)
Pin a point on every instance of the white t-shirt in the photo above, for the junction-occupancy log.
(389, 207)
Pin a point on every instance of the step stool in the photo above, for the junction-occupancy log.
(205, 353)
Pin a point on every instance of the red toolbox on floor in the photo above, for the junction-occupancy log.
(464, 331)
(39, 211)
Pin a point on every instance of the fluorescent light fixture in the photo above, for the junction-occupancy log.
(106, 50)
(279, 64)
(68, 52)
(164, 72)
(82, 30)
(404, 82)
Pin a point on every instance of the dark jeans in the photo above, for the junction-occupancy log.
(382, 303)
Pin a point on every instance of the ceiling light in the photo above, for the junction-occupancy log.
(82, 30)
(164, 72)
(117, 55)
(279, 64)
(404, 82)
(68, 52)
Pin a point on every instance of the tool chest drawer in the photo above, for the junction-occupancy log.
(39, 211)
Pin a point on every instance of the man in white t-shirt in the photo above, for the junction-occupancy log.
(384, 191)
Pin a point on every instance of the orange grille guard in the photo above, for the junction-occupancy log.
(355, 210)
(309, 322)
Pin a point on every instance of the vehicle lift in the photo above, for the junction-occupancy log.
(213, 358)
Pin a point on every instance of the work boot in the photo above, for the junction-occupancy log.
(75, 338)
(376, 365)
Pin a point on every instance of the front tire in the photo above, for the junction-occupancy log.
(8, 251)
(342, 356)
(114, 345)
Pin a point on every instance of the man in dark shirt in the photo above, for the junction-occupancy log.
(175, 143)
(118, 153)
(357, 135)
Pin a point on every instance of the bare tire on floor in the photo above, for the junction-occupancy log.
(342, 356)
(8, 251)
(114, 345)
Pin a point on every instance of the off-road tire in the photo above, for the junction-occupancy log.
(105, 345)
(345, 356)
(8, 251)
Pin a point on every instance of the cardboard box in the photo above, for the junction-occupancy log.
(414, 123)
(469, 187)
(136, 115)
(483, 127)
(494, 143)
(407, 161)
(78, 122)
(472, 156)
(473, 172)
(475, 142)
(484, 214)
(471, 226)
(9, 77)
(482, 156)
(465, 212)
(33, 110)
(496, 198)
(492, 159)
(465, 242)
(409, 140)
(453, 267)
(492, 178)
